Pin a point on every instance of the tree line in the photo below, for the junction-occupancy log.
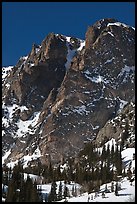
(94, 167)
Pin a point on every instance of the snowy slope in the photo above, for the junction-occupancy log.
(126, 194)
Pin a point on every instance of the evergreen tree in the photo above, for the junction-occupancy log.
(50, 173)
(12, 193)
(116, 189)
(125, 134)
(66, 191)
(112, 186)
(118, 160)
(73, 192)
(106, 189)
(35, 195)
(108, 149)
(104, 174)
(39, 192)
(14, 186)
(5, 173)
(52, 195)
(112, 153)
(60, 191)
(104, 153)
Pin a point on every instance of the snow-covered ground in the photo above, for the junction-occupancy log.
(126, 194)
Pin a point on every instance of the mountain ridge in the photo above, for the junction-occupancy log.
(53, 93)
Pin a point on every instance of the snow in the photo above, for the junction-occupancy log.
(37, 49)
(71, 53)
(81, 45)
(25, 159)
(25, 57)
(5, 156)
(81, 110)
(110, 143)
(24, 125)
(12, 164)
(122, 104)
(126, 194)
(47, 187)
(109, 60)
(127, 156)
(22, 108)
(119, 24)
(97, 79)
(111, 34)
(6, 71)
(68, 38)
(128, 69)
(32, 157)
(31, 64)
(125, 71)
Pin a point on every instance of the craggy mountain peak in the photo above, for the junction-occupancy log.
(67, 91)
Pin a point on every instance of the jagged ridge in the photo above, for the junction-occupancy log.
(63, 93)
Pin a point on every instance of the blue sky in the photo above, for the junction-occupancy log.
(25, 23)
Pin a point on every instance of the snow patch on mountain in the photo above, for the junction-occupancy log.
(72, 52)
(6, 156)
(25, 126)
(120, 25)
(6, 71)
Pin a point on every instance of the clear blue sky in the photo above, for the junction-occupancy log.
(25, 23)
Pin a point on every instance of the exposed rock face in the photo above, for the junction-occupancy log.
(66, 90)
(117, 126)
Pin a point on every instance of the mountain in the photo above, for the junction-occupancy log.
(67, 92)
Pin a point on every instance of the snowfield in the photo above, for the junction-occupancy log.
(126, 194)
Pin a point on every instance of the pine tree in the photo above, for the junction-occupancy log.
(52, 195)
(116, 189)
(50, 173)
(112, 186)
(35, 196)
(5, 173)
(112, 154)
(39, 192)
(73, 193)
(60, 191)
(118, 160)
(15, 182)
(104, 173)
(66, 191)
(12, 194)
(106, 189)
(103, 156)
(125, 134)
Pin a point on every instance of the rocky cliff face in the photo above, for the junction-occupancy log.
(65, 92)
